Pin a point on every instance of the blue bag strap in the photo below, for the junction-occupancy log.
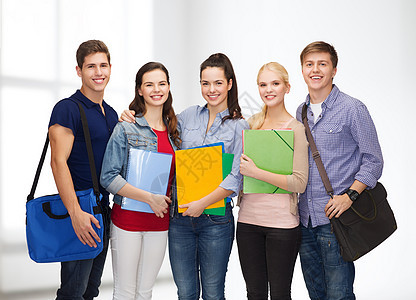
(90, 158)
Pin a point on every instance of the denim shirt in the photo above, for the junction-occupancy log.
(125, 136)
(193, 123)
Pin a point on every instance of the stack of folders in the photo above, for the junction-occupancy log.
(148, 171)
(199, 171)
(271, 150)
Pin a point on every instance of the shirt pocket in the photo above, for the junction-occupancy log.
(138, 141)
(332, 128)
(333, 136)
(225, 136)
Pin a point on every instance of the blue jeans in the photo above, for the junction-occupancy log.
(199, 249)
(80, 279)
(327, 275)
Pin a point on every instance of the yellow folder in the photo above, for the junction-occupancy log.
(198, 173)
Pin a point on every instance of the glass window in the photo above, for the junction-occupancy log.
(37, 69)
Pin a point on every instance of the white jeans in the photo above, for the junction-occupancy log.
(137, 258)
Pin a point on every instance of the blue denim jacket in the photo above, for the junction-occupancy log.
(125, 136)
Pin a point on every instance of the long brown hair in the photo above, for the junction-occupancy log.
(220, 60)
(168, 114)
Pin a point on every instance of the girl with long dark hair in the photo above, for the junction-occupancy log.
(200, 244)
(138, 239)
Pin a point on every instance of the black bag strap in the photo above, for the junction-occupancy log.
(35, 181)
(90, 158)
(315, 154)
(89, 150)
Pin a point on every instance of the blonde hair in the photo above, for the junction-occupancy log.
(257, 120)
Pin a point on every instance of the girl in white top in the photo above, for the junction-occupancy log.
(268, 232)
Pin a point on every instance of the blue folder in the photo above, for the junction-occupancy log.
(148, 171)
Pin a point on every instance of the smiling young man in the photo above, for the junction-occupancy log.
(70, 165)
(346, 138)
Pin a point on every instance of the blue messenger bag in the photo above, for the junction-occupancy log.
(49, 233)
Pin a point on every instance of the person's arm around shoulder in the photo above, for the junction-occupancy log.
(127, 116)
(61, 140)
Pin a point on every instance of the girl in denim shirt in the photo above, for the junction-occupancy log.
(200, 244)
(138, 239)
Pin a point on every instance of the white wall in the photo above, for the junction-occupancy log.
(375, 41)
(37, 68)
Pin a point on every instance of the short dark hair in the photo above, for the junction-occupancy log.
(220, 60)
(90, 47)
(320, 47)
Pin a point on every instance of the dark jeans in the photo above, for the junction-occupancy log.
(80, 279)
(267, 257)
(327, 275)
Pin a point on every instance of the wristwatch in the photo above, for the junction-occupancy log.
(353, 194)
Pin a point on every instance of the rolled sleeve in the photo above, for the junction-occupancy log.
(234, 180)
(232, 183)
(365, 134)
(116, 185)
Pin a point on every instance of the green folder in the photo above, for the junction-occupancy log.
(271, 150)
(227, 164)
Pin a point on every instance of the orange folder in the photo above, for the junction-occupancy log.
(198, 173)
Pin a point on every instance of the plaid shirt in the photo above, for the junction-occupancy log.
(346, 138)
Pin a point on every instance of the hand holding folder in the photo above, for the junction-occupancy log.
(199, 171)
(271, 150)
(148, 171)
(227, 164)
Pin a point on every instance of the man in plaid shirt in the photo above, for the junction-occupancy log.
(346, 138)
